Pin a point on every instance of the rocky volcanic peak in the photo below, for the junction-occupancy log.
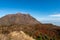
(18, 19)
(34, 28)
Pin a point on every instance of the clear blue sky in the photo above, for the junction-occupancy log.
(46, 11)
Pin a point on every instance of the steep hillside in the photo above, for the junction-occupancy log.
(28, 24)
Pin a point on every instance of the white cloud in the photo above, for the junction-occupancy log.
(54, 19)
(55, 15)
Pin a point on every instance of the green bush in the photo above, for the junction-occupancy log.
(45, 37)
(39, 37)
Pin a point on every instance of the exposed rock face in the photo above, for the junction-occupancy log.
(19, 36)
(16, 36)
(3, 37)
(18, 19)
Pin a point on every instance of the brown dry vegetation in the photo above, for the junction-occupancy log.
(27, 24)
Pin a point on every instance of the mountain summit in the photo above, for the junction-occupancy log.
(28, 24)
(18, 19)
